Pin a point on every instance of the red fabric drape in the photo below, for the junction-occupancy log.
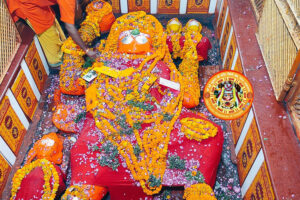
(85, 168)
(32, 185)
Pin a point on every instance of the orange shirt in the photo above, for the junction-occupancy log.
(39, 12)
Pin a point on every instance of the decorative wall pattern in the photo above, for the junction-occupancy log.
(168, 6)
(261, 188)
(12, 130)
(116, 6)
(237, 127)
(238, 65)
(136, 5)
(165, 6)
(221, 19)
(24, 94)
(224, 37)
(248, 151)
(230, 53)
(4, 172)
(36, 66)
(198, 6)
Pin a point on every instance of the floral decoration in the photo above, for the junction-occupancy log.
(49, 172)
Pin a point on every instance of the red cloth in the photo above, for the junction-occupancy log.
(32, 184)
(39, 12)
(202, 47)
(85, 168)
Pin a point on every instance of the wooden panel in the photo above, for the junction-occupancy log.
(257, 6)
(4, 172)
(248, 151)
(278, 44)
(230, 53)
(168, 6)
(24, 95)
(295, 8)
(237, 127)
(222, 18)
(293, 99)
(12, 130)
(136, 5)
(10, 40)
(261, 187)
(225, 36)
(116, 6)
(36, 67)
(198, 6)
(238, 65)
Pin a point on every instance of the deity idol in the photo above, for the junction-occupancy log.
(137, 136)
(228, 95)
(180, 39)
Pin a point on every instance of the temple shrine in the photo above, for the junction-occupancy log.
(171, 100)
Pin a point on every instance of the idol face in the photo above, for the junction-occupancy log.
(174, 26)
(134, 42)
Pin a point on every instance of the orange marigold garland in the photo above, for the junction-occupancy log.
(118, 109)
(189, 69)
(189, 66)
(49, 171)
(174, 31)
(199, 191)
(73, 192)
(192, 33)
(73, 60)
(198, 129)
(70, 74)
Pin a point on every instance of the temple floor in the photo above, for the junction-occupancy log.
(227, 182)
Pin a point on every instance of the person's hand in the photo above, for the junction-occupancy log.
(92, 54)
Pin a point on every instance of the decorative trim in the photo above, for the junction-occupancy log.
(236, 54)
(221, 7)
(16, 107)
(41, 54)
(244, 132)
(124, 6)
(153, 6)
(6, 152)
(227, 46)
(212, 6)
(223, 27)
(183, 7)
(30, 79)
(253, 172)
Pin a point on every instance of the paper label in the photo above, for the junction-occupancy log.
(91, 75)
(170, 84)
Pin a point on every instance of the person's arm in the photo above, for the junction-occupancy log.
(76, 37)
